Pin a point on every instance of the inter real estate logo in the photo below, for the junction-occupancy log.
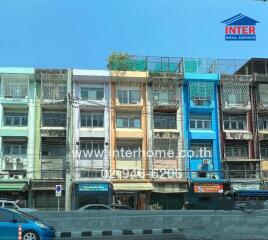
(240, 28)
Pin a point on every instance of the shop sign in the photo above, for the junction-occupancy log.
(208, 188)
(93, 187)
(245, 186)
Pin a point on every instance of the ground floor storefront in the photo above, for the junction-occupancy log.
(168, 195)
(91, 192)
(133, 194)
(14, 190)
(205, 195)
(42, 196)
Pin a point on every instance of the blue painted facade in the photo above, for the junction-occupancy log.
(200, 99)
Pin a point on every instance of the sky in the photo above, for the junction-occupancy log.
(83, 33)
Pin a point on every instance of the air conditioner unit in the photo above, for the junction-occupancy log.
(19, 160)
(9, 160)
(17, 176)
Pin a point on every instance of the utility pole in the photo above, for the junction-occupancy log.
(69, 143)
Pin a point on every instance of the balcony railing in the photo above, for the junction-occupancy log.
(153, 64)
(242, 174)
(53, 174)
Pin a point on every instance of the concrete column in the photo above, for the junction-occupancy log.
(76, 128)
(106, 126)
(37, 139)
(144, 127)
(150, 124)
(181, 162)
(31, 142)
(69, 144)
(113, 127)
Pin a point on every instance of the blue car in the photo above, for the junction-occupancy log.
(32, 228)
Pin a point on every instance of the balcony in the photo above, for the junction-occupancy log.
(235, 96)
(242, 174)
(201, 94)
(53, 167)
(15, 87)
(54, 87)
(237, 135)
(262, 103)
(165, 99)
(242, 170)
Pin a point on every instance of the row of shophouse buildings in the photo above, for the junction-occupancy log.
(50, 115)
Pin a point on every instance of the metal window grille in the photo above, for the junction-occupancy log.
(263, 91)
(15, 85)
(54, 86)
(235, 93)
(201, 93)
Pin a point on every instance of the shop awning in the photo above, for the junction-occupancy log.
(13, 186)
(170, 188)
(133, 186)
(260, 193)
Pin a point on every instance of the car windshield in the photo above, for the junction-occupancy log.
(28, 216)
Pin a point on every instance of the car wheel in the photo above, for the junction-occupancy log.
(30, 235)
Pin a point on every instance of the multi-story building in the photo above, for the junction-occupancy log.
(107, 136)
(51, 137)
(91, 128)
(17, 111)
(128, 145)
(165, 133)
(238, 153)
(201, 136)
(257, 186)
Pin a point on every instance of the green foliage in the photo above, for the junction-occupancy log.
(119, 61)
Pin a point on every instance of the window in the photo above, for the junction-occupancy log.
(264, 149)
(10, 205)
(165, 121)
(92, 93)
(15, 119)
(15, 148)
(201, 93)
(15, 85)
(54, 119)
(166, 96)
(54, 86)
(95, 149)
(124, 121)
(91, 119)
(163, 146)
(129, 96)
(263, 88)
(235, 93)
(200, 122)
(131, 150)
(90, 174)
(55, 148)
(234, 122)
(241, 169)
(263, 123)
(202, 150)
(236, 150)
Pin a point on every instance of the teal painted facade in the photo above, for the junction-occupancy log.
(200, 101)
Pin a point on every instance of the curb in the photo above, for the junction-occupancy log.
(122, 232)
